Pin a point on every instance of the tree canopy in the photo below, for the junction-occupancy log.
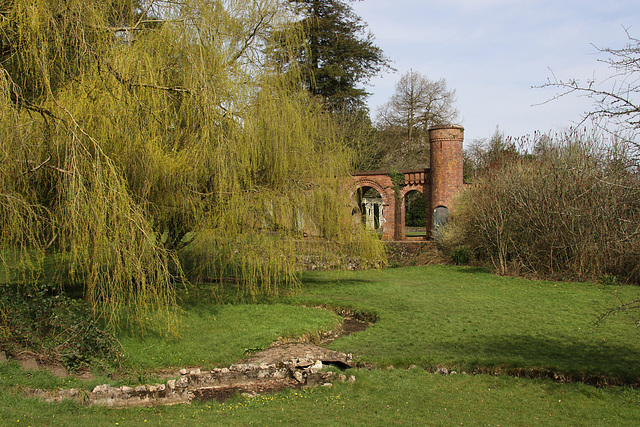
(150, 142)
(417, 104)
(338, 53)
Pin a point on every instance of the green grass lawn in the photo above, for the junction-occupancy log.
(219, 335)
(399, 397)
(467, 317)
(464, 318)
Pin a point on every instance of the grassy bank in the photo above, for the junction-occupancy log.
(219, 335)
(462, 318)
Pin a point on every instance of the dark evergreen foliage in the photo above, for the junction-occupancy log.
(339, 55)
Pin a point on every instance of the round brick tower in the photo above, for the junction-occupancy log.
(445, 142)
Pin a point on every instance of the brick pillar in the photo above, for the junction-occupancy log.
(398, 229)
(445, 142)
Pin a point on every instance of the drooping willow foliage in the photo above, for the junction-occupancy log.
(137, 135)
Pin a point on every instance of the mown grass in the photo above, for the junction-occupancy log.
(399, 397)
(467, 317)
(219, 335)
(427, 316)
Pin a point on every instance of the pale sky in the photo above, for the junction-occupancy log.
(493, 51)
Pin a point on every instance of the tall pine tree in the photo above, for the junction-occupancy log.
(339, 53)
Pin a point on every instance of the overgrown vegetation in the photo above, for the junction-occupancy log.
(569, 208)
(58, 329)
(564, 205)
(132, 130)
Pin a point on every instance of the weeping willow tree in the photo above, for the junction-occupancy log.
(137, 134)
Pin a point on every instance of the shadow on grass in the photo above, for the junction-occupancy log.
(520, 351)
(306, 280)
(470, 270)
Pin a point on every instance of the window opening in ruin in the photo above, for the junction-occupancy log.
(415, 214)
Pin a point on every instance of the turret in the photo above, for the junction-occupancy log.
(445, 142)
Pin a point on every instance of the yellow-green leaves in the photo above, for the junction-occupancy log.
(135, 131)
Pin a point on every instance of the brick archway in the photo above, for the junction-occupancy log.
(438, 184)
(394, 216)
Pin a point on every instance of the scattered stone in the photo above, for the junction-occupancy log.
(295, 353)
(29, 364)
(101, 389)
(279, 374)
(282, 365)
(219, 384)
(316, 366)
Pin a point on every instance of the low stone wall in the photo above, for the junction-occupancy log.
(216, 384)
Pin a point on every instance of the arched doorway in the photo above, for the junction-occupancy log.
(440, 218)
(370, 208)
(415, 214)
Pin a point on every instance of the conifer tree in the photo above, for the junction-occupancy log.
(339, 53)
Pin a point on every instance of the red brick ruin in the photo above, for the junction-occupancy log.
(437, 184)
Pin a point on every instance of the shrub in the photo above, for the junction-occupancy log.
(568, 209)
(39, 319)
(461, 255)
